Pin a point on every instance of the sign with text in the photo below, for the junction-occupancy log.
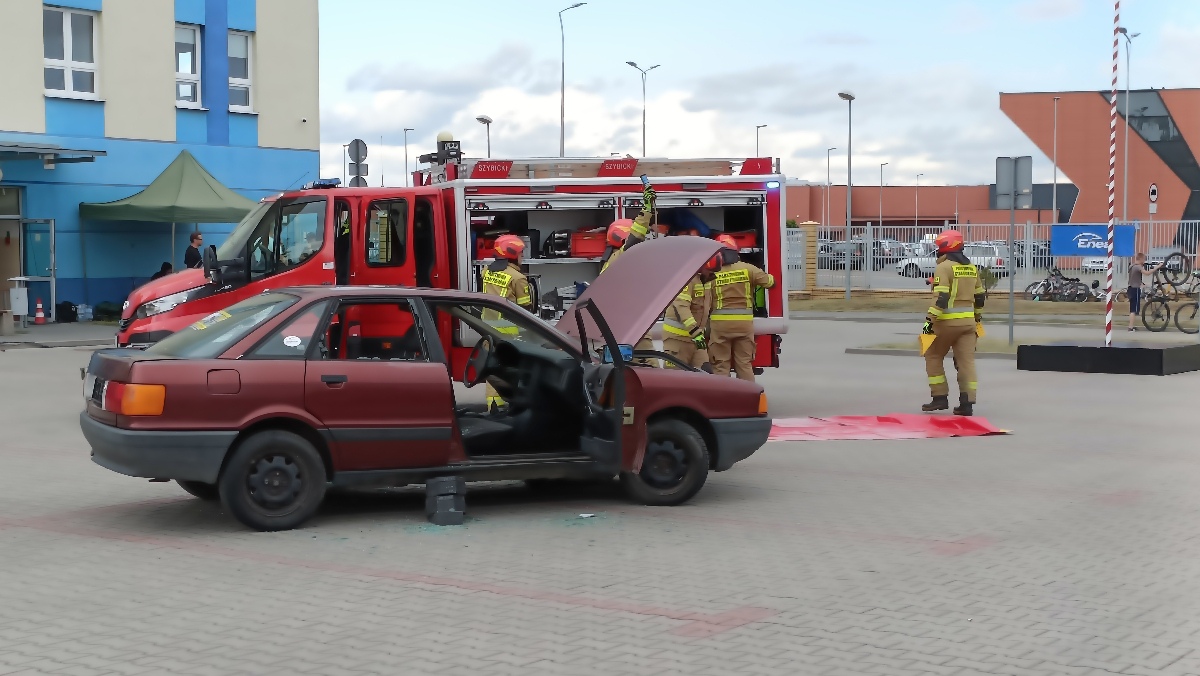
(1090, 240)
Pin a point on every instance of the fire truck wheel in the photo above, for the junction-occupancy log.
(674, 468)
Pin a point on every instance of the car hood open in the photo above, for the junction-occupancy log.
(639, 285)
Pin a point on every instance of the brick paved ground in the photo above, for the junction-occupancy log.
(1070, 547)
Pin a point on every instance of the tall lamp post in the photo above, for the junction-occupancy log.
(849, 99)
(917, 203)
(407, 173)
(643, 71)
(1054, 160)
(757, 127)
(1125, 172)
(487, 124)
(828, 205)
(562, 100)
(871, 233)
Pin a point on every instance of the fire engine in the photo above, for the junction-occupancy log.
(439, 233)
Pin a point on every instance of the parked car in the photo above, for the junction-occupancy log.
(1093, 264)
(1158, 255)
(269, 402)
(834, 257)
(992, 256)
(1039, 254)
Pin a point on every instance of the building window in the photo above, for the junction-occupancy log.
(187, 66)
(240, 48)
(69, 46)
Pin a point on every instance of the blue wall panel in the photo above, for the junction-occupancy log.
(191, 126)
(214, 76)
(92, 5)
(189, 11)
(243, 130)
(242, 15)
(70, 117)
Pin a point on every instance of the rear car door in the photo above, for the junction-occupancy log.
(385, 401)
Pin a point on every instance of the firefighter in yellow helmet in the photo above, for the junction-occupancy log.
(958, 297)
(504, 278)
(685, 328)
(732, 318)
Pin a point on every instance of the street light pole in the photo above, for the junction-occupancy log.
(871, 233)
(828, 202)
(1125, 172)
(643, 72)
(562, 101)
(487, 124)
(407, 173)
(917, 203)
(756, 128)
(1054, 159)
(849, 99)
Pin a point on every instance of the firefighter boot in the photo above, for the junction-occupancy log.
(940, 402)
(965, 406)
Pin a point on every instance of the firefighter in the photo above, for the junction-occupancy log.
(685, 329)
(503, 277)
(734, 289)
(618, 231)
(958, 297)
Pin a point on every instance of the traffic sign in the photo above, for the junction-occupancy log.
(358, 182)
(357, 150)
(1153, 192)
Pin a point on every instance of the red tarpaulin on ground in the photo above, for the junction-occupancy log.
(894, 426)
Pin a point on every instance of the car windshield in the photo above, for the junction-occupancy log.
(214, 334)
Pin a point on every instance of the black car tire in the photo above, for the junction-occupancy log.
(200, 489)
(274, 481)
(674, 468)
(911, 270)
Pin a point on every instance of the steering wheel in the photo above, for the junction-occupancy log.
(477, 362)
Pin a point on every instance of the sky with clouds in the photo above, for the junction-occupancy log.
(926, 73)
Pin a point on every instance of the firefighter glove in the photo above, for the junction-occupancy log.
(978, 318)
(649, 196)
(700, 342)
(927, 327)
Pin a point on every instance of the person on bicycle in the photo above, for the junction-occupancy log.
(1136, 272)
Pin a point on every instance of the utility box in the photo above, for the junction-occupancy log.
(18, 301)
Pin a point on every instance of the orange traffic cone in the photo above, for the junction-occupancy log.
(39, 316)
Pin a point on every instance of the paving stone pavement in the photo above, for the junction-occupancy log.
(1070, 547)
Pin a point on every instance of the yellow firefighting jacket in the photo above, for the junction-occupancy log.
(733, 291)
(957, 293)
(688, 314)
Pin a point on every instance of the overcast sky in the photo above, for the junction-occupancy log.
(927, 74)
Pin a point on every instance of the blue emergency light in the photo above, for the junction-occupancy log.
(772, 185)
(322, 183)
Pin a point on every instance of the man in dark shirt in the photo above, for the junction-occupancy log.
(165, 270)
(1136, 272)
(192, 257)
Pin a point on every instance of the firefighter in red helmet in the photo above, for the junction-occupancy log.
(685, 327)
(504, 278)
(624, 233)
(618, 232)
(958, 297)
(734, 288)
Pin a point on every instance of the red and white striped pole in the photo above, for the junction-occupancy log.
(1112, 175)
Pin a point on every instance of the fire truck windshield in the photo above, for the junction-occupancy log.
(278, 235)
(235, 245)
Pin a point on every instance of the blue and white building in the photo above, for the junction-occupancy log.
(97, 97)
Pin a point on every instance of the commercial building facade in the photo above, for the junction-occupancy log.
(101, 95)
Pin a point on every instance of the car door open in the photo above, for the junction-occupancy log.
(603, 393)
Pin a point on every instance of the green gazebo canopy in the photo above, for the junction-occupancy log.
(183, 193)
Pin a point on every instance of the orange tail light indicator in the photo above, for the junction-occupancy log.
(134, 398)
(762, 403)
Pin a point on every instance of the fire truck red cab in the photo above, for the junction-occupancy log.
(438, 234)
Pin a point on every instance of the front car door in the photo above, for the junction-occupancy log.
(604, 393)
(378, 383)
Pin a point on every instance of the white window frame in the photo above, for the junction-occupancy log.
(188, 77)
(248, 82)
(67, 65)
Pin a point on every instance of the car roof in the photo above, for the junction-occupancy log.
(380, 289)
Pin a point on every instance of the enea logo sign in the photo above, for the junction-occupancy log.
(1090, 240)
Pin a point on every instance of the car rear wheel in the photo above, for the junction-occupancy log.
(200, 489)
(274, 481)
(674, 468)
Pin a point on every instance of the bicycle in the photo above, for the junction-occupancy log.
(1156, 308)
(1057, 287)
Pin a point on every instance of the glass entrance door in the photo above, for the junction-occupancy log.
(38, 262)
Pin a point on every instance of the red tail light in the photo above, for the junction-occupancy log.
(999, 262)
(134, 399)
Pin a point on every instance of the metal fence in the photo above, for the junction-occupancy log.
(903, 256)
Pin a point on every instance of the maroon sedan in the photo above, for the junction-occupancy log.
(267, 404)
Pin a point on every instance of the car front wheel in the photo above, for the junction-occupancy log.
(274, 481)
(674, 468)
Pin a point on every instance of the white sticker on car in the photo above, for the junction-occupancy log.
(292, 341)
